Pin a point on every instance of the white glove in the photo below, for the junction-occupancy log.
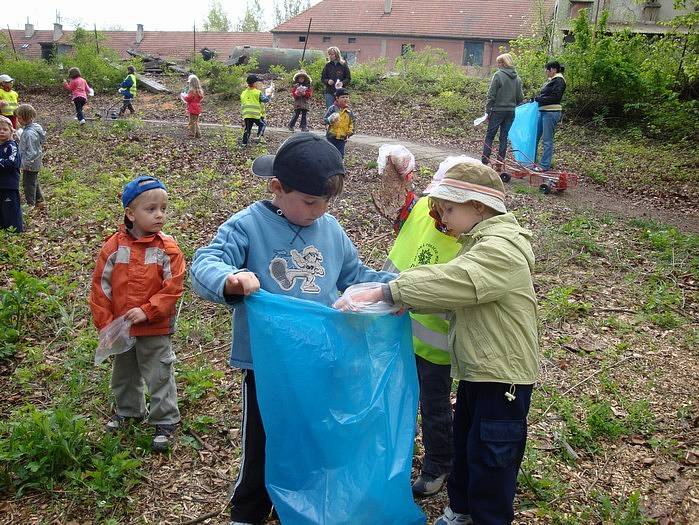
(334, 118)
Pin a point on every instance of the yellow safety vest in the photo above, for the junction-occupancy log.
(10, 99)
(133, 88)
(250, 105)
(418, 243)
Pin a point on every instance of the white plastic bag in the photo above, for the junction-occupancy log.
(401, 158)
(270, 90)
(334, 117)
(183, 97)
(338, 84)
(114, 339)
(90, 92)
(301, 90)
(353, 301)
(480, 120)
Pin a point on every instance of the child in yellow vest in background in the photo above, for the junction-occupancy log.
(420, 242)
(9, 99)
(251, 106)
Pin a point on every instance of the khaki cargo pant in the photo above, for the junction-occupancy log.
(152, 362)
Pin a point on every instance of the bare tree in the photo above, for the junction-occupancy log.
(252, 19)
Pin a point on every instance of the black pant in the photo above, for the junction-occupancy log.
(502, 120)
(490, 434)
(249, 123)
(435, 409)
(10, 210)
(339, 144)
(126, 104)
(79, 103)
(250, 502)
(297, 112)
(32, 190)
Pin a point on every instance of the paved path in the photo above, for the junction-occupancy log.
(583, 199)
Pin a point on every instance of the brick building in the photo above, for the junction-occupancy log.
(470, 31)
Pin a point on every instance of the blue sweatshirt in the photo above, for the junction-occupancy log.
(313, 263)
(10, 161)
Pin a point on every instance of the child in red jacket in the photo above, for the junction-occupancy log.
(302, 92)
(139, 275)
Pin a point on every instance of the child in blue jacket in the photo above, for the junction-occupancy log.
(288, 246)
(10, 162)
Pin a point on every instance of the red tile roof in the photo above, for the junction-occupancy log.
(497, 19)
(165, 44)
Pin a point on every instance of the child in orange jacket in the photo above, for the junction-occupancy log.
(139, 275)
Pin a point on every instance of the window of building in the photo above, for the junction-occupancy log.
(326, 39)
(406, 48)
(473, 54)
(578, 5)
(351, 40)
(302, 38)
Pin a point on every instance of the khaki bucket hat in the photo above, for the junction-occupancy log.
(470, 181)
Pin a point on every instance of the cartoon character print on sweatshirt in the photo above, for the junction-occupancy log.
(286, 268)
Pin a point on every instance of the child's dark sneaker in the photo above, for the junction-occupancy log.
(117, 422)
(163, 438)
(427, 485)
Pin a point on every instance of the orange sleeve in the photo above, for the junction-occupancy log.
(162, 304)
(100, 302)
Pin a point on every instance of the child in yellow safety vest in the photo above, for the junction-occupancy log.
(420, 242)
(128, 90)
(251, 106)
(9, 100)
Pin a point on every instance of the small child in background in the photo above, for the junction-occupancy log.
(139, 274)
(193, 97)
(340, 121)
(79, 91)
(251, 106)
(31, 150)
(128, 91)
(302, 92)
(10, 162)
(8, 99)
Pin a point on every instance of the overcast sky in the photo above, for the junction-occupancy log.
(155, 15)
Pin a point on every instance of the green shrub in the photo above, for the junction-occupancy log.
(30, 73)
(229, 81)
(38, 448)
(102, 70)
(367, 76)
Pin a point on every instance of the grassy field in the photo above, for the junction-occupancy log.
(614, 425)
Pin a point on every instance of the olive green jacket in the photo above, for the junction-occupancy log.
(488, 289)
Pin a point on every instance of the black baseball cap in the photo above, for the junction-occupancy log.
(304, 162)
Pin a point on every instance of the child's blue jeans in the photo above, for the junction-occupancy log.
(490, 434)
(547, 127)
(339, 144)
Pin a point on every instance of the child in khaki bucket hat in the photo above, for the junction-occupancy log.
(488, 292)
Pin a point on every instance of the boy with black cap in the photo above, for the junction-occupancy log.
(251, 107)
(139, 274)
(289, 246)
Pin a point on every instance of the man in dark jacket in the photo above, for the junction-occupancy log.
(504, 94)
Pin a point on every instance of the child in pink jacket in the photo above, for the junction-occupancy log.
(192, 97)
(79, 91)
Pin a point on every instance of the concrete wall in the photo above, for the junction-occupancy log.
(389, 47)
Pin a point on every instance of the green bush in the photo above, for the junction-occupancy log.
(367, 76)
(229, 81)
(44, 449)
(623, 77)
(102, 70)
(30, 73)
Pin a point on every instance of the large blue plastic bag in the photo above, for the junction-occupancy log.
(338, 396)
(522, 134)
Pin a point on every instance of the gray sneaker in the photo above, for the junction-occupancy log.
(427, 485)
(115, 423)
(163, 437)
(453, 518)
